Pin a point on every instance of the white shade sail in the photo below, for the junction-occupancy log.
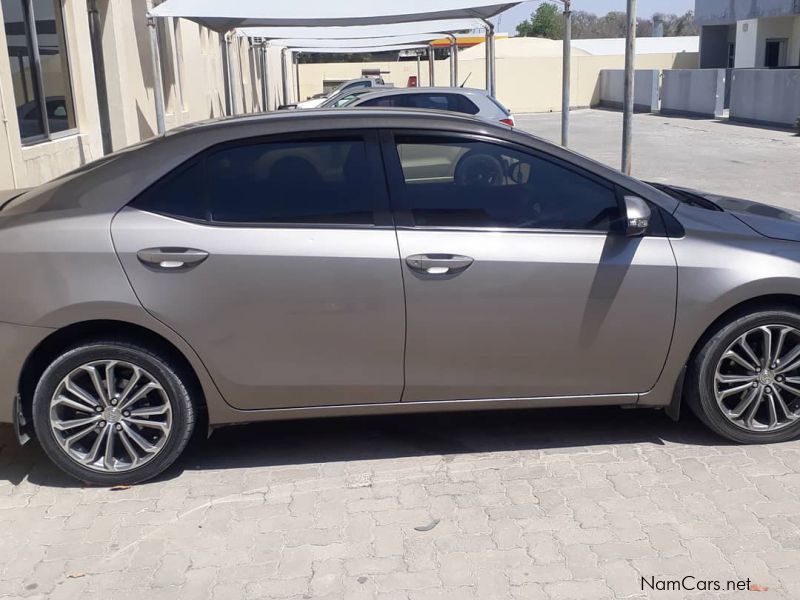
(363, 31)
(357, 43)
(224, 15)
(355, 49)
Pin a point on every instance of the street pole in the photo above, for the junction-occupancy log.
(431, 65)
(566, 78)
(158, 82)
(297, 74)
(627, 110)
(264, 75)
(453, 76)
(284, 76)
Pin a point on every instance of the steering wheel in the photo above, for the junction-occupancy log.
(479, 169)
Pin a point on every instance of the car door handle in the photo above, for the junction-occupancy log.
(438, 264)
(171, 259)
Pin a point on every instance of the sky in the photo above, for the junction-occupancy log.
(645, 8)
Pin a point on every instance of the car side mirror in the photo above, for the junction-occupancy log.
(637, 216)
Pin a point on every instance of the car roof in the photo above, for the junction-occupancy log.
(389, 91)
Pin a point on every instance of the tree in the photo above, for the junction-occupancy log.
(545, 22)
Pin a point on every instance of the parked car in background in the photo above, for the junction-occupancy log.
(364, 82)
(347, 97)
(368, 261)
(477, 103)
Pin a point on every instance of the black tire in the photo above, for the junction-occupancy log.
(699, 388)
(174, 382)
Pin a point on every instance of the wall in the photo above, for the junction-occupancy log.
(523, 84)
(699, 92)
(775, 29)
(25, 166)
(746, 44)
(714, 44)
(717, 12)
(646, 88)
(192, 76)
(767, 96)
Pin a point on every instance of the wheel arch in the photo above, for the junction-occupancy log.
(763, 302)
(70, 335)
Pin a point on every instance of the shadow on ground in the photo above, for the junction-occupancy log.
(370, 438)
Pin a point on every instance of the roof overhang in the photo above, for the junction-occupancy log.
(364, 31)
(232, 14)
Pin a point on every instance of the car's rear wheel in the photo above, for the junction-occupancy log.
(745, 381)
(111, 412)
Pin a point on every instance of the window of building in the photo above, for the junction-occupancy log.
(466, 183)
(316, 182)
(37, 52)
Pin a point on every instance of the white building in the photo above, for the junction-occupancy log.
(749, 33)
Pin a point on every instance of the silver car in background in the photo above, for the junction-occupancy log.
(354, 262)
(477, 103)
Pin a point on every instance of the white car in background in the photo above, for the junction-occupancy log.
(478, 103)
(353, 84)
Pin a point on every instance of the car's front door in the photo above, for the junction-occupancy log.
(516, 282)
(276, 259)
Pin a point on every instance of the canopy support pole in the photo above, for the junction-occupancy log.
(264, 74)
(158, 82)
(296, 57)
(284, 76)
(489, 57)
(419, 69)
(453, 59)
(431, 66)
(627, 110)
(224, 48)
(567, 74)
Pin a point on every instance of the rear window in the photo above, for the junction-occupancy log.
(432, 101)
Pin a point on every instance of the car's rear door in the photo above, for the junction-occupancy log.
(516, 283)
(277, 260)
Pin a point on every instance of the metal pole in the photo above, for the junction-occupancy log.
(284, 76)
(96, 39)
(297, 74)
(489, 57)
(226, 74)
(566, 79)
(455, 61)
(158, 84)
(431, 66)
(453, 77)
(627, 111)
(419, 69)
(264, 75)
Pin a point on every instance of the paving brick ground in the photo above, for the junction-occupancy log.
(548, 504)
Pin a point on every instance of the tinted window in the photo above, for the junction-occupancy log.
(292, 182)
(449, 102)
(461, 183)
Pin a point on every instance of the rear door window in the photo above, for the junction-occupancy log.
(328, 181)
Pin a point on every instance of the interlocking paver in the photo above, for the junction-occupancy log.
(538, 505)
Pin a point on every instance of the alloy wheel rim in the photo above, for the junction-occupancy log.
(757, 379)
(110, 416)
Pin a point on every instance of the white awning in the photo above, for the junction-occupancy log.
(357, 43)
(363, 31)
(224, 15)
(355, 49)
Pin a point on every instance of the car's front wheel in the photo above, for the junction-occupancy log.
(110, 412)
(744, 382)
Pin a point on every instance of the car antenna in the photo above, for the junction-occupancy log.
(463, 83)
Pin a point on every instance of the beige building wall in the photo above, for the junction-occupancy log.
(523, 84)
(192, 66)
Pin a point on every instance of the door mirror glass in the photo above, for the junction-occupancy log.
(637, 216)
